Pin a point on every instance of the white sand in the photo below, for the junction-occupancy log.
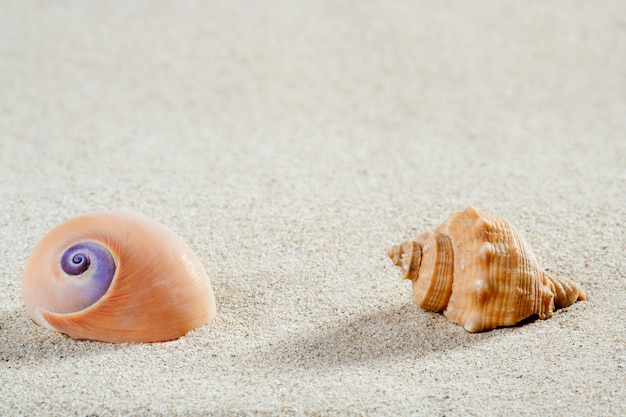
(289, 144)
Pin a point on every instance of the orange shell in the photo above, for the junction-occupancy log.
(159, 292)
(478, 269)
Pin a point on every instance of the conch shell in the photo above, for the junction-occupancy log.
(116, 277)
(481, 273)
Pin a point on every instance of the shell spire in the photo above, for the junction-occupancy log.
(481, 273)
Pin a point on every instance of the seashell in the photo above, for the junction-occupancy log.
(116, 277)
(481, 273)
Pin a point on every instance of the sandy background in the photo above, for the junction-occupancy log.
(289, 144)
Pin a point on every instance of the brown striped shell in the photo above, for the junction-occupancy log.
(481, 273)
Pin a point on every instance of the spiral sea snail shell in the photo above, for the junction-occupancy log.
(116, 277)
(480, 272)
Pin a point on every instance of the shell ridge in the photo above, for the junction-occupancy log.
(488, 293)
(433, 286)
(517, 270)
(442, 282)
(444, 286)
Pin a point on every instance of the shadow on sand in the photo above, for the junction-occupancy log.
(390, 333)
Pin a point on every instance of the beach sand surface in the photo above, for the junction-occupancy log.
(290, 144)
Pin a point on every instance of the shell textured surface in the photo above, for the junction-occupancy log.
(116, 277)
(479, 270)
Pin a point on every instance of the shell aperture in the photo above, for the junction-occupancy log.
(116, 277)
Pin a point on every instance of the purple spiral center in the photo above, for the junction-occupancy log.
(75, 260)
(92, 264)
